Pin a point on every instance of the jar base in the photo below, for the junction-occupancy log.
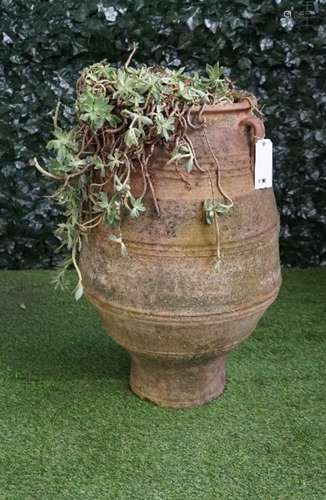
(177, 382)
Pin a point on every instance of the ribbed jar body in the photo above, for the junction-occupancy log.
(177, 317)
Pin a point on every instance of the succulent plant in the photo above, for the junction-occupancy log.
(122, 115)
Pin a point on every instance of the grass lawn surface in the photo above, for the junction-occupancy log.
(71, 429)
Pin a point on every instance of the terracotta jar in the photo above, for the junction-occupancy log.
(163, 303)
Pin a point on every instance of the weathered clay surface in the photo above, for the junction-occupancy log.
(163, 303)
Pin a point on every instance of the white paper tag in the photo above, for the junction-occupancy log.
(263, 164)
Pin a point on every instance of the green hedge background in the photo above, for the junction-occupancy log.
(274, 48)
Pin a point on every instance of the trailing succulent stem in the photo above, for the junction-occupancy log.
(122, 115)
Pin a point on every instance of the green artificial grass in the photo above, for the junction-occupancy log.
(71, 429)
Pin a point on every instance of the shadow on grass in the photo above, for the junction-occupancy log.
(46, 335)
(66, 350)
(73, 361)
